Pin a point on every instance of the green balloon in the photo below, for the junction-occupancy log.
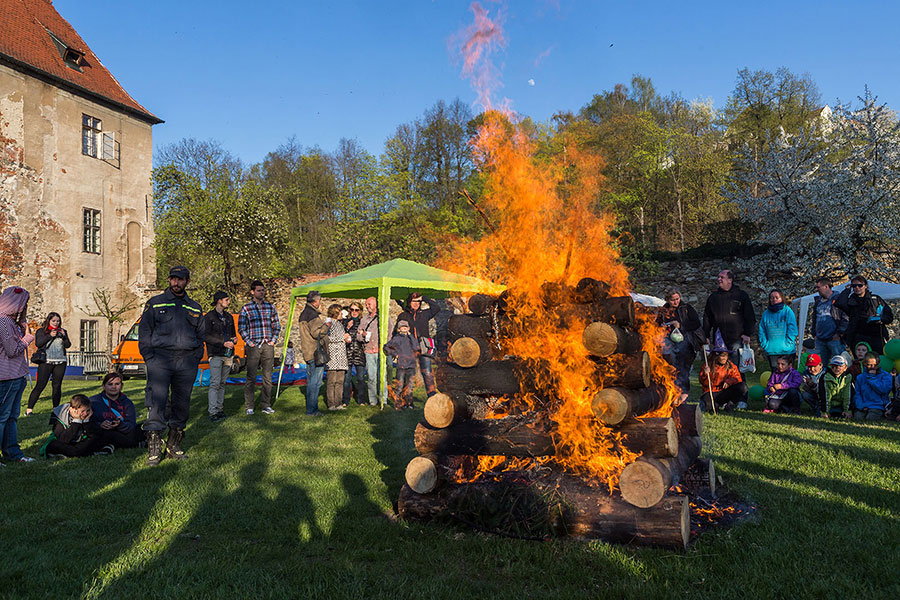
(764, 378)
(892, 349)
(757, 392)
(885, 363)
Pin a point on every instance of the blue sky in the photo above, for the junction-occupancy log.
(252, 74)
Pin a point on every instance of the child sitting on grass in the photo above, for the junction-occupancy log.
(873, 389)
(722, 382)
(834, 389)
(813, 373)
(783, 389)
(72, 433)
(405, 349)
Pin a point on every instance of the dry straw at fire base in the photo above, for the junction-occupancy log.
(490, 460)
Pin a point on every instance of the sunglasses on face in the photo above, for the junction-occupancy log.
(354, 310)
(857, 285)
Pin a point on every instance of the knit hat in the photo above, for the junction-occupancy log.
(813, 360)
(402, 324)
(837, 359)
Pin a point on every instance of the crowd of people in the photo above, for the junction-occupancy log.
(172, 335)
(833, 383)
(174, 331)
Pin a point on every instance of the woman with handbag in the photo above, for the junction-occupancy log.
(51, 341)
(684, 338)
(14, 340)
(337, 359)
(418, 319)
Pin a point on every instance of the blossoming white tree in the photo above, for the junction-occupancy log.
(829, 198)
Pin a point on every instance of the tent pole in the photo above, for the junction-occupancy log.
(384, 311)
(287, 338)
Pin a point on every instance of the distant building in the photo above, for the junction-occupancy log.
(76, 154)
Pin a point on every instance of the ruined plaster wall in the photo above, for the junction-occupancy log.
(46, 182)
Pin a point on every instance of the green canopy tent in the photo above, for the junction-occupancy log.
(392, 279)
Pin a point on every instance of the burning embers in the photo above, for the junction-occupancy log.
(573, 438)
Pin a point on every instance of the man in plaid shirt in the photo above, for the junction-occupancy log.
(259, 326)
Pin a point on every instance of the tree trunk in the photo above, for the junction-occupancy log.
(481, 304)
(615, 405)
(644, 482)
(532, 435)
(468, 326)
(493, 378)
(700, 478)
(470, 351)
(630, 371)
(618, 310)
(689, 419)
(605, 339)
(581, 511)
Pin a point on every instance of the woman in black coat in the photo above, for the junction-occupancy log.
(869, 314)
(53, 340)
(685, 336)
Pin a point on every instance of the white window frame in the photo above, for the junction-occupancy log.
(91, 228)
(89, 335)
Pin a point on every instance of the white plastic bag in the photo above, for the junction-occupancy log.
(746, 360)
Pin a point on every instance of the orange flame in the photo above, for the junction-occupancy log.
(543, 228)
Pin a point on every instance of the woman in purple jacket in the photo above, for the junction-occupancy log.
(14, 340)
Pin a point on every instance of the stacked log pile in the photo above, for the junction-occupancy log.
(479, 380)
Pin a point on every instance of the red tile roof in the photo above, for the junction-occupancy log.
(26, 44)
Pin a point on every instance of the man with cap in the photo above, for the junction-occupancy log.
(312, 326)
(170, 338)
(259, 326)
(218, 328)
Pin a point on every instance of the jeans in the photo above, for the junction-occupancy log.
(359, 384)
(46, 372)
(10, 405)
(427, 374)
(264, 358)
(373, 374)
(219, 368)
(164, 371)
(827, 349)
(681, 356)
(403, 388)
(314, 374)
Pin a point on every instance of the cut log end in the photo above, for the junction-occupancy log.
(643, 483)
(600, 339)
(441, 411)
(422, 474)
(610, 406)
(468, 352)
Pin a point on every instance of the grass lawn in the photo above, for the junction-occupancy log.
(286, 506)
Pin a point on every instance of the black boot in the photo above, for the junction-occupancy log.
(154, 448)
(173, 443)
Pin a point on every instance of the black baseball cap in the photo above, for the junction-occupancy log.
(180, 272)
(220, 295)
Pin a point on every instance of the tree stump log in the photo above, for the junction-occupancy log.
(700, 478)
(615, 405)
(652, 436)
(481, 304)
(630, 371)
(605, 339)
(689, 419)
(493, 378)
(470, 351)
(644, 482)
(618, 310)
(459, 326)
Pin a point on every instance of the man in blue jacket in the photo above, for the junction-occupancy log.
(829, 322)
(873, 388)
(170, 338)
(114, 414)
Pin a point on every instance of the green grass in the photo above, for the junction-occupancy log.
(285, 506)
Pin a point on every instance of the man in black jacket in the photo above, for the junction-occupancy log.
(218, 329)
(170, 338)
(418, 319)
(729, 311)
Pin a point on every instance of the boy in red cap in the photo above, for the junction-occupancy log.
(809, 390)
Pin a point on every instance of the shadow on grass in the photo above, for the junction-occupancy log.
(886, 430)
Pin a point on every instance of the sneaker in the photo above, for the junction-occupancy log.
(214, 418)
(316, 414)
(249, 411)
(107, 449)
(154, 448)
(173, 444)
(25, 459)
(269, 410)
(768, 411)
(742, 406)
(56, 456)
(221, 415)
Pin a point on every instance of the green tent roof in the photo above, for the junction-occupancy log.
(401, 277)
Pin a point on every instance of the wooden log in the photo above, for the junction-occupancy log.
(689, 419)
(581, 511)
(443, 410)
(493, 378)
(605, 339)
(531, 435)
(700, 478)
(459, 326)
(509, 436)
(617, 310)
(630, 371)
(652, 436)
(422, 474)
(614, 405)
(481, 304)
(644, 482)
(589, 290)
(470, 351)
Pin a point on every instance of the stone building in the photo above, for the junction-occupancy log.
(75, 159)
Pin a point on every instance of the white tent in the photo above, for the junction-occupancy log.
(887, 291)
